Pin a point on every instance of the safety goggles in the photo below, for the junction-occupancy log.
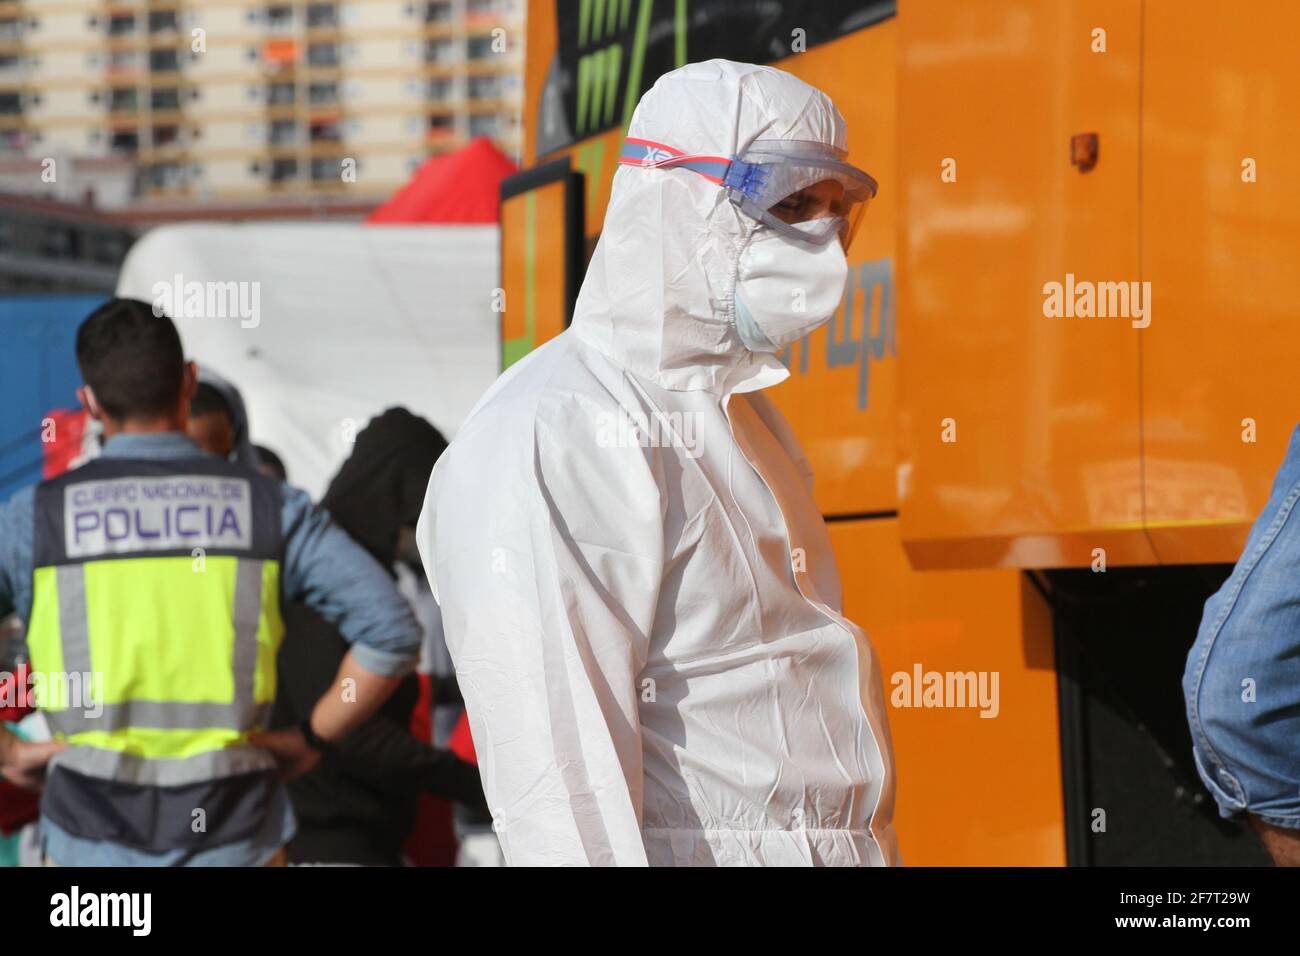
(803, 190)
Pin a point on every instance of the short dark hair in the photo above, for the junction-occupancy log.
(208, 400)
(132, 359)
(271, 460)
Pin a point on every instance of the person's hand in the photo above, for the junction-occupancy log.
(289, 747)
(25, 762)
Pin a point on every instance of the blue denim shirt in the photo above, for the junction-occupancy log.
(1242, 682)
(322, 567)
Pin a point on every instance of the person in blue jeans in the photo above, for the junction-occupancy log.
(1242, 682)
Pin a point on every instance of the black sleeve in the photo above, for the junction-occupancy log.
(380, 750)
(446, 691)
(383, 748)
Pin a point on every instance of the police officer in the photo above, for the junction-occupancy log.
(150, 581)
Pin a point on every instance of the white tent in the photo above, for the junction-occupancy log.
(321, 326)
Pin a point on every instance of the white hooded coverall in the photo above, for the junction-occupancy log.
(637, 588)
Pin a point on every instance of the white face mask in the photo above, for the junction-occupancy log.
(786, 289)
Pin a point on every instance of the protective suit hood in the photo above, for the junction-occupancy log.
(658, 295)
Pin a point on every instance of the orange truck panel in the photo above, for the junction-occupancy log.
(972, 790)
(1220, 250)
(1021, 444)
(1152, 436)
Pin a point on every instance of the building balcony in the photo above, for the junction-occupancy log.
(324, 33)
(323, 72)
(442, 138)
(322, 134)
(320, 113)
(280, 53)
(167, 153)
(491, 104)
(497, 63)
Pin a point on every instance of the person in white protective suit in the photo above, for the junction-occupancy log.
(637, 588)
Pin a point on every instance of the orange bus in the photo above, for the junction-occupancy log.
(1058, 387)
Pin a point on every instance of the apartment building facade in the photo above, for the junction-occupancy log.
(241, 100)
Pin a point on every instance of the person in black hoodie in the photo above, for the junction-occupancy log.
(359, 804)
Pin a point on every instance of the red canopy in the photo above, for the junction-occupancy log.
(460, 186)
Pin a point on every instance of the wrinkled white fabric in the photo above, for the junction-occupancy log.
(637, 589)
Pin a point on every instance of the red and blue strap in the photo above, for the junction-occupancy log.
(651, 155)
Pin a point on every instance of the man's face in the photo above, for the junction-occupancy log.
(213, 433)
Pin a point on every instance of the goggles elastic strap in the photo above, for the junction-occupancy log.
(651, 155)
(749, 179)
(747, 183)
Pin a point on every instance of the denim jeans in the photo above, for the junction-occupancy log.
(1242, 682)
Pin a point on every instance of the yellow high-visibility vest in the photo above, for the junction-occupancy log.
(153, 635)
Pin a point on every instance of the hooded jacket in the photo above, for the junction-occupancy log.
(359, 804)
(636, 585)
